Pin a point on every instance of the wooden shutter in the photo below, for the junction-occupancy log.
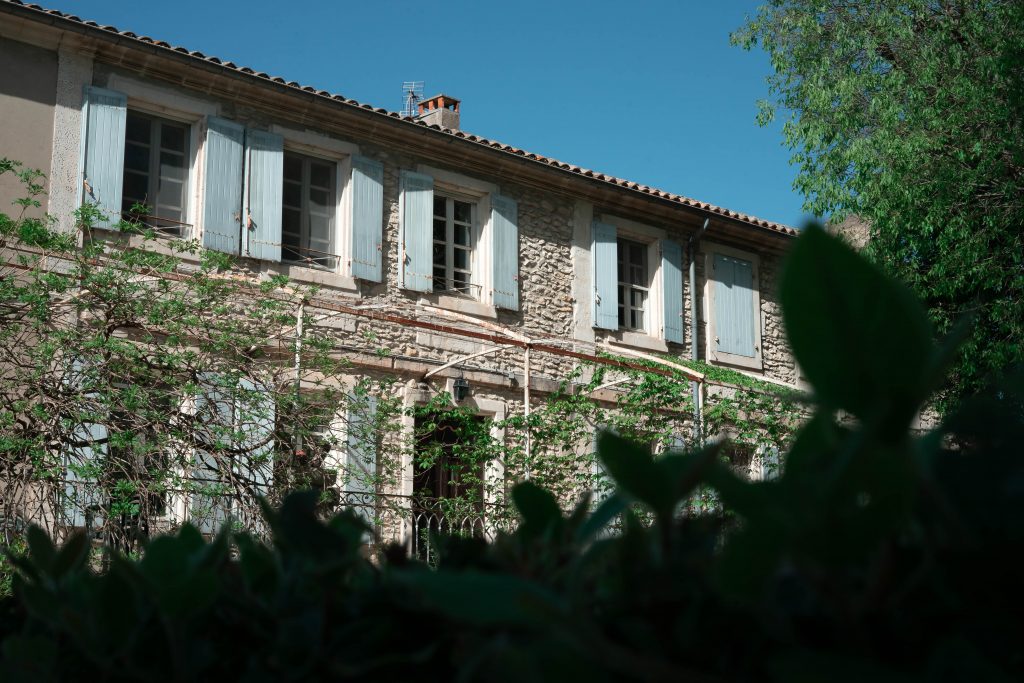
(103, 143)
(416, 262)
(367, 218)
(208, 507)
(255, 411)
(360, 465)
(83, 499)
(222, 198)
(604, 252)
(505, 227)
(263, 194)
(734, 305)
(672, 290)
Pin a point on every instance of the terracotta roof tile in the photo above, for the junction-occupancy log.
(554, 163)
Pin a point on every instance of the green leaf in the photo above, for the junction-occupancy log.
(537, 506)
(861, 338)
(635, 472)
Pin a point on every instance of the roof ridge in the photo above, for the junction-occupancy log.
(493, 144)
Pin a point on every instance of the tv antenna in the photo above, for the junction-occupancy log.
(412, 93)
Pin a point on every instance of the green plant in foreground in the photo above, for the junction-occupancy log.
(876, 555)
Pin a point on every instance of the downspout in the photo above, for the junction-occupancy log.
(698, 409)
(526, 408)
(299, 453)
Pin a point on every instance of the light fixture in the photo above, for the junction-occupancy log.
(460, 389)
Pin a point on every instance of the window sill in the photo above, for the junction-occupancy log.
(459, 305)
(637, 340)
(325, 278)
(738, 361)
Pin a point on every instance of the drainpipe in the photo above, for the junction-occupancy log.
(691, 249)
(526, 408)
(298, 451)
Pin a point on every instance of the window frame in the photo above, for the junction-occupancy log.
(340, 153)
(710, 299)
(626, 288)
(450, 244)
(304, 211)
(479, 301)
(652, 335)
(160, 102)
(153, 175)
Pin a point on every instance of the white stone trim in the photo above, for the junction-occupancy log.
(757, 362)
(74, 72)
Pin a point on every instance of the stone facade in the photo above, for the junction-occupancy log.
(556, 209)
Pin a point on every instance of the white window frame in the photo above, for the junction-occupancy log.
(711, 329)
(480, 301)
(651, 336)
(449, 241)
(340, 153)
(151, 99)
(305, 185)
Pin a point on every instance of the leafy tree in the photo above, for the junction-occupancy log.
(910, 114)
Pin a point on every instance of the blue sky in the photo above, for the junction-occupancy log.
(644, 90)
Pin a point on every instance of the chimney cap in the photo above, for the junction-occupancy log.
(439, 101)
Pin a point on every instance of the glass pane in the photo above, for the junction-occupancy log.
(319, 175)
(636, 254)
(136, 157)
(622, 316)
(439, 230)
(439, 258)
(439, 205)
(172, 165)
(462, 235)
(170, 193)
(460, 281)
(461, 258)
(319, 229)
(172, 137)
(293, 195)
(136, 186)
(291, 220)
(292, 168)
(137, 128)
(439, 280)
(318, 200)
(463, 211)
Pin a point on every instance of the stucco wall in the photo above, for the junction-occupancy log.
(28, 91)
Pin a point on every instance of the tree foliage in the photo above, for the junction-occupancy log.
(910, 114)
(876, 555)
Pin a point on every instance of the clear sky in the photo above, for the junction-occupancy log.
(644, 90)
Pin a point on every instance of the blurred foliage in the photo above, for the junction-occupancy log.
(875, 555)
(910, 115)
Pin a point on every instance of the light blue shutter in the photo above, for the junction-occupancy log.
(417, 255)
(505, 227)
(734, 305)
(360, 477)
(604, 252)
(222, 198)
(255, 411)
(83, 500)
(103, 140)
(208, 506)
(672, 288)
(367, 218)
(263, 195)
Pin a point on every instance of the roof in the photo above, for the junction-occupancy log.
(493, 144)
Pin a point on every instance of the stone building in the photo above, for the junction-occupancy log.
(476, 264)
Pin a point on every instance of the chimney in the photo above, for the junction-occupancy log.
(441, 110)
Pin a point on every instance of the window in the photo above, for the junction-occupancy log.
(638, 282)
(733, 304)
(308, 210)
(458, 235)
(156, 161)
(634, 284)
(453, 244)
